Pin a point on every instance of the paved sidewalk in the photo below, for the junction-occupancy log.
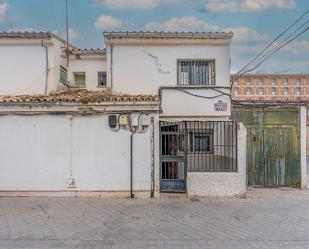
(266, 219)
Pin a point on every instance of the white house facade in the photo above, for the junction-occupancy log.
(31, 63)
(148, 115)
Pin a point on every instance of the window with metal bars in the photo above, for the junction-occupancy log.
(204, 146)
(196, 72)
(201, 141)
(102, 79)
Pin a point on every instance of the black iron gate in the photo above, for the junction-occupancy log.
(173, 163)
(195, 146)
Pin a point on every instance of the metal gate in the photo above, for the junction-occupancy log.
(173, 158)
(195, 146)
(273, 146)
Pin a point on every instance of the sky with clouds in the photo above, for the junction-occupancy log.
(253, 22)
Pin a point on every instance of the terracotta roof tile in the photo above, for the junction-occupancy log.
(79, 96)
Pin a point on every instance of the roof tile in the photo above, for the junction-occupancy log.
(78, 96)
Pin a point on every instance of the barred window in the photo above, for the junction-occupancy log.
(102, 79)
(201, 141)
(196, 72)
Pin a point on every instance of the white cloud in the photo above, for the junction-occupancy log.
(194, 24)
(248, 5)
(107, 22)
(3, 9)
(246, 34)
(25, 30)
(133, 4)
(73, 35)
(181, 24)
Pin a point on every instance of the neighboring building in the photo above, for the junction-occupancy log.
(271, 87)
(273, 109)
(87, 69)
(31, 63)
(161, 123)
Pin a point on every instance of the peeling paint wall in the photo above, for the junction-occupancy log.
(142, 69)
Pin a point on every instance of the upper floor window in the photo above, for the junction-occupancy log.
(102, 79)
(273, 87)
(63, 74)
(298, 87)
(286, 87)
(261, 87)
(196, 72)
(236, 87)
(80, 79)
(248, 87)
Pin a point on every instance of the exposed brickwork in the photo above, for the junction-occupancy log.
(259, 88)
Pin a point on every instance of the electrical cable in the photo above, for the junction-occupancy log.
(277, 48)
(272, 42)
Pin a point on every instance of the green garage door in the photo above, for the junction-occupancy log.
(273, 146)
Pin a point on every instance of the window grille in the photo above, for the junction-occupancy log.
(196, 72)
(200, 146)
(102, 79)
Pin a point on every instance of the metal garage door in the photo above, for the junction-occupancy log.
(273, 145)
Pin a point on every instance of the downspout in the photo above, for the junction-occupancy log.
(111, 65)
(131, 165)
(46, 68)
(152, 188)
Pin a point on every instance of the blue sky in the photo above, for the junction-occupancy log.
(254, 23)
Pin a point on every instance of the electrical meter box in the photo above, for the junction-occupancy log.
(144, 120)
(112, 121)
(123, 120)
(134, 121)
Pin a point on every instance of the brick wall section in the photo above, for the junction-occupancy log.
(255, 80)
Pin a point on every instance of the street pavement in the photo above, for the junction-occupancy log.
(267, 218)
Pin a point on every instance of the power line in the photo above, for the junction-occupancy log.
(277, 46)
(282, 45)
(271, 43)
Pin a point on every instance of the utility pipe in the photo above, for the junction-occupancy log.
(131, 165)
(152, 139)
(46, 68)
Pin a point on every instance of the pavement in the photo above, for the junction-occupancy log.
(267, 218)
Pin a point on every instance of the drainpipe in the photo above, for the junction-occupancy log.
(131, 165)
(111, 66)
(152, 189)
(46, 68)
